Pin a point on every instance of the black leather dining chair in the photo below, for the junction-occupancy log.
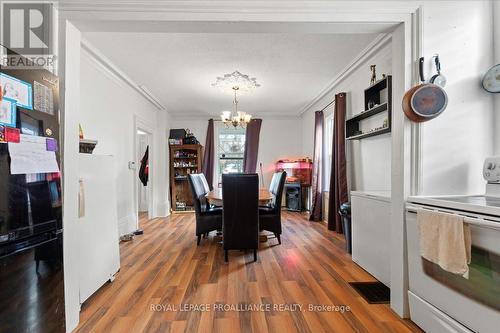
(270, 216)
(240, 199)
(207, 218)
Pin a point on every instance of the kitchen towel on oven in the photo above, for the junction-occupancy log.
(445, 240)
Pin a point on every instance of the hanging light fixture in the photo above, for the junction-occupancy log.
(236, 83)
(235, 118)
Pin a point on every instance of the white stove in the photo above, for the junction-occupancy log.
(441, 301)
(488, 203)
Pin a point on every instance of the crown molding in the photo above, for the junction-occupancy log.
(379, 42)
(111, 69)
(117, 11)
(218, 6)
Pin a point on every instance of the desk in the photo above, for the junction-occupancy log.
(215, 197)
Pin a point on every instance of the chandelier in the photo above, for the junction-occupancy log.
(234, 83)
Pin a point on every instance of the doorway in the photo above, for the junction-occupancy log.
(143, 172)
(143, 140)
(405, 24)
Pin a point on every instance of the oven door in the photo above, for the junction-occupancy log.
(473, 302)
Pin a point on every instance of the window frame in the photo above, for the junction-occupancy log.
(221, 130)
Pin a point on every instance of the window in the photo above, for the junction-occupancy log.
(230, 151)
(327, 151)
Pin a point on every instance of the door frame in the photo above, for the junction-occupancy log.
(198, 16)
(141, 124)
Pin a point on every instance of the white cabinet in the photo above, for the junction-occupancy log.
(98, 248)
(371, 232)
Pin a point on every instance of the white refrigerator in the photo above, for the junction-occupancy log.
(98, 223)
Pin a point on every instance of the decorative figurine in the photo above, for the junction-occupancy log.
(374, 74)
(386, 123)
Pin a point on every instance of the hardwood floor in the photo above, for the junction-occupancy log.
(163, 270)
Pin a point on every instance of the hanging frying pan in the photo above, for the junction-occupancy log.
(491, 80)
(424, 101)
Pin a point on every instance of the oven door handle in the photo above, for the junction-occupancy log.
(476, 221)
(482, 223)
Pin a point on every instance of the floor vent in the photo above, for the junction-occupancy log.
(373, 292)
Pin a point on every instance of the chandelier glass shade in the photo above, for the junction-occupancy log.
(235, 118)
(235, 83)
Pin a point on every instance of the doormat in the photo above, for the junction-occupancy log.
(373, 292)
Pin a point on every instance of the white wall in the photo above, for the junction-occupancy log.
(161, 205)
(455, 144)
(108, 108)
(496, 60)
(279, 138)
(368, 160)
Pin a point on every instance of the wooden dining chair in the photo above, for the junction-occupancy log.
(240, 216)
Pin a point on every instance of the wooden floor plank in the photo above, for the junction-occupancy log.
(163, 271)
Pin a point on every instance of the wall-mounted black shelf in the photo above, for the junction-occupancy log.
(373, 95)
(368, 134)
(368, 113)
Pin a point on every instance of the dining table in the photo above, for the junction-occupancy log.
(214, 197)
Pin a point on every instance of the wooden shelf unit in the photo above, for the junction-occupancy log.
(380, 93)
(184, 159)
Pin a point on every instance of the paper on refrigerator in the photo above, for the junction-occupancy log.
(30, 155)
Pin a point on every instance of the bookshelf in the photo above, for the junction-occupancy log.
(184, 160)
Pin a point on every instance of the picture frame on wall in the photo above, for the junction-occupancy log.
(8, 112)
(19, 91)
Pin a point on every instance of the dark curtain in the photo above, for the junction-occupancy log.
(317, 195)
(338, 177)
(208, 155)
(251, 146)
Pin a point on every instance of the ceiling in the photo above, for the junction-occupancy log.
(178, 68)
